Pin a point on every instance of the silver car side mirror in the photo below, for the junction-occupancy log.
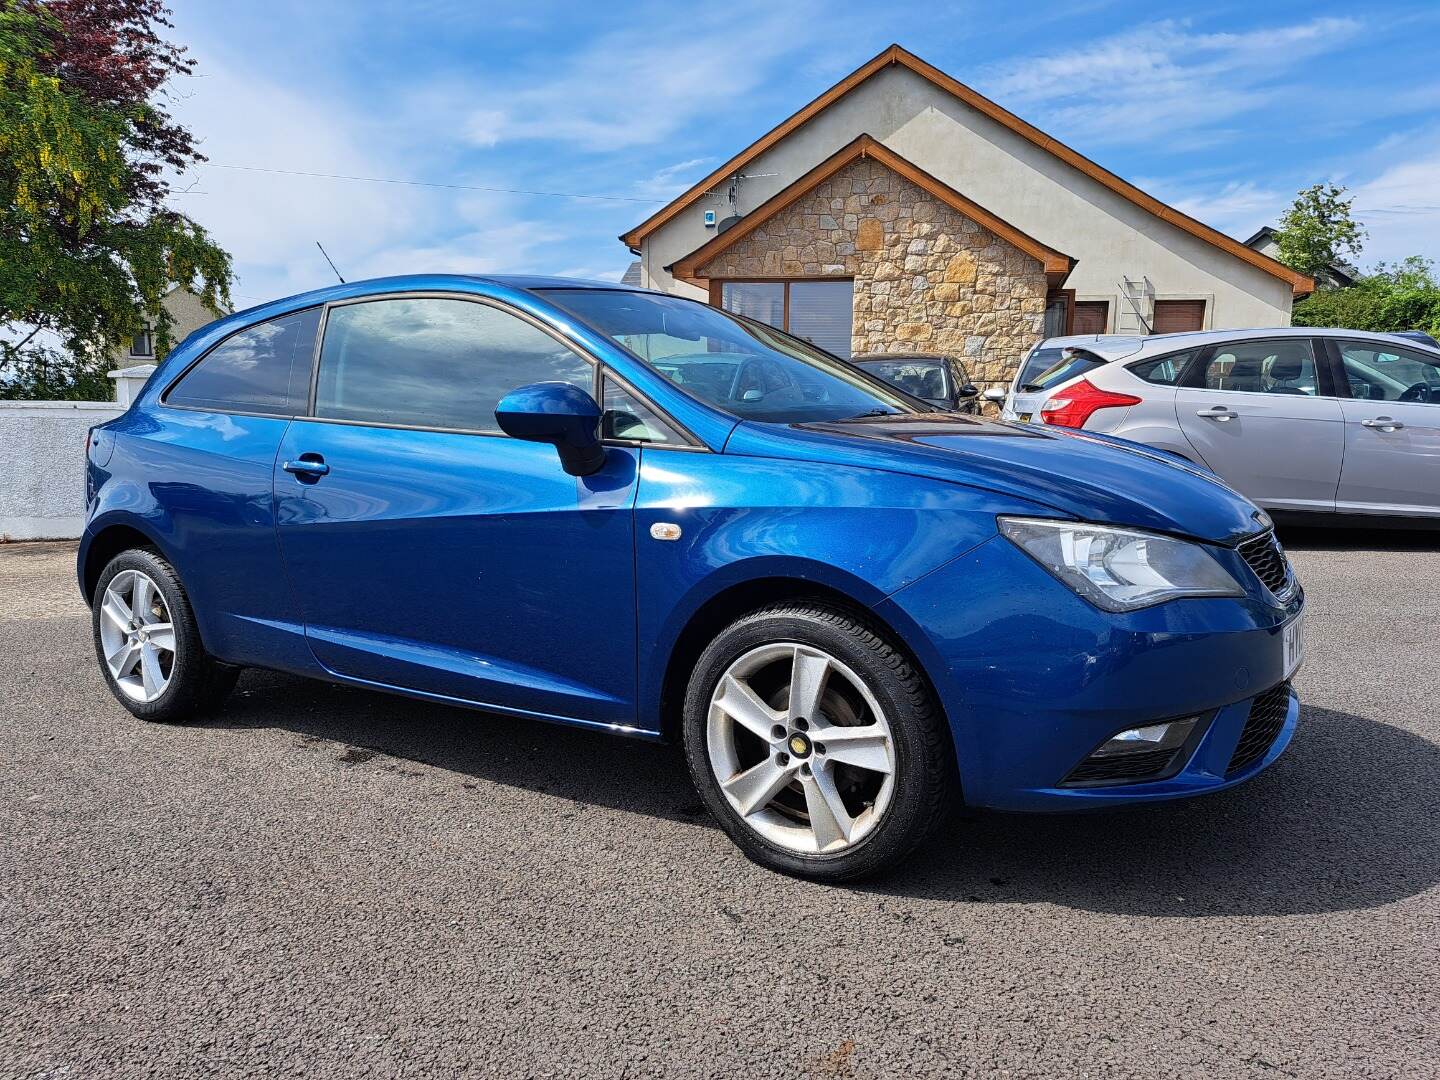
(995, 394)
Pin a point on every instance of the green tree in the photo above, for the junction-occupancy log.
(1402, 296)
(1318, 231)
(87, 245)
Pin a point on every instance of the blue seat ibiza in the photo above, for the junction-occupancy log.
(637, 513)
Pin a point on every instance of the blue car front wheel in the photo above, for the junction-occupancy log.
(816, 742)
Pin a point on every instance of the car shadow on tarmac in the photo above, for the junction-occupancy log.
(1345, 820)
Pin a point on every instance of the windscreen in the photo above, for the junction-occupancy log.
(920, 377)
(744, 367)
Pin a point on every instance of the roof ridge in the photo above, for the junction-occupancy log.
(894, 53)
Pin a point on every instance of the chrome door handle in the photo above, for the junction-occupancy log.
(1218, 412)
(308, 467)
(1383, 423)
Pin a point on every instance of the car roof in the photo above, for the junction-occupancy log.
(1113, 349)
(1071, 340)
(861, 358)
(403, 282)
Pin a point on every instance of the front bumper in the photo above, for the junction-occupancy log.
(1033, 678)
(1206, 770)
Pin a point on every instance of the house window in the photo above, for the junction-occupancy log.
(820, 312)
(142, 345)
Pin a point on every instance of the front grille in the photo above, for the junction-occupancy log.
(1267, 717)
(1126, 768)
(1264, 555)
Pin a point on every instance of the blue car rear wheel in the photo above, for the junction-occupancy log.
(149, 645)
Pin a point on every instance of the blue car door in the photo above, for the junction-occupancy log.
(432, 553)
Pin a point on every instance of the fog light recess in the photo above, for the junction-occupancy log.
(1135, 755)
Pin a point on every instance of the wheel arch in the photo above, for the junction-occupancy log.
(754, 594)
(104, 544)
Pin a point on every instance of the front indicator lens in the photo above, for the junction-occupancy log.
(1142, 740)
(1120, 569)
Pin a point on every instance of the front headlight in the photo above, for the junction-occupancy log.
(1120, 569)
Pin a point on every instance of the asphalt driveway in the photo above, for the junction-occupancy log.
(328, 882)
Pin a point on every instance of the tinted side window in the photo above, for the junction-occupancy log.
(434, 363)
(1263, 367)
(1382, 373)
(627, 417)
(1163, 370)
(265, 369)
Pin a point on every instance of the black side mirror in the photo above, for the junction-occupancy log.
(560, 414)
(969, 390)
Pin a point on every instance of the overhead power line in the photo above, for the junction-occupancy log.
(429, 184)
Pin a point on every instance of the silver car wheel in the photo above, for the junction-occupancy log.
(801, 748)
(137, 635)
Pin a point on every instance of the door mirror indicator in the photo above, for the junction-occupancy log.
(560, 414)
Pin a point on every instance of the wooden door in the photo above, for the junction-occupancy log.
(1175, 316)
(1091, 317)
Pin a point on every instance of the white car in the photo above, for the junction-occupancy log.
(1309, 423)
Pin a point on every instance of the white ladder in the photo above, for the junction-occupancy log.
(1137, 306)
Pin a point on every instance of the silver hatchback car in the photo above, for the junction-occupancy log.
(1304, 421)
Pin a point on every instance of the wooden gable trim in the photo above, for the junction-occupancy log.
(1301, 284)
(1057, 264)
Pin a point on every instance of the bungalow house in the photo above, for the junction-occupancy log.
(189, 313)
(901, 210)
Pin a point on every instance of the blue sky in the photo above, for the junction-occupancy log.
(1224, 113)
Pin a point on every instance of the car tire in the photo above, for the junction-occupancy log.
(184, 686)
(867, 684)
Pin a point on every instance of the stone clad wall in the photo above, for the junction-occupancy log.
(927, 278)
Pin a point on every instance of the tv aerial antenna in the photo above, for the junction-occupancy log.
(731, 194)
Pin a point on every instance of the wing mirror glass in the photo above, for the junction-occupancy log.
(560, 414)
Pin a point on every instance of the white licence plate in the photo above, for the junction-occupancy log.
(1293, 641)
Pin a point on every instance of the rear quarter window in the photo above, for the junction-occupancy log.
(1163, 370)
(263, 369)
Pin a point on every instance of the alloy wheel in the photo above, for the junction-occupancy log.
(137, 635)
(801, 748)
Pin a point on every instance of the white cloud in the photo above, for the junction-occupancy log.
(1164, 80)
(507, 246)
(1238, 208)
(664, 184)
(270, 221)
(642, 84)
(1400, 206)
